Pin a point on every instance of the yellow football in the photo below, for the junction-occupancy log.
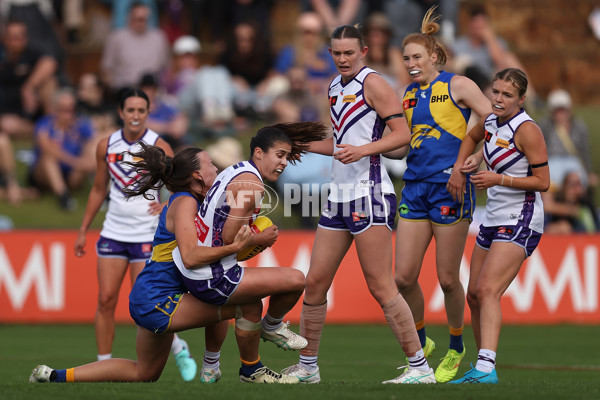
(260, 224)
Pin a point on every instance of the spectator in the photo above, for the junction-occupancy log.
(337, 12)
(481, 53)
(297, 104)
(64, 149)
(93, 103)
(250, 63)
(134, 51)
(164, 118)
(568, 141)
(310, 52)
(27, 77)
(186, 50)
(382, 56)
(569, 209)
(120, 9)
(208, 101)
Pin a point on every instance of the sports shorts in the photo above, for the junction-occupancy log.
(156, 319)
(216, 290)
(519, 235)
(432, 201)
(134, 252)
(358, 215)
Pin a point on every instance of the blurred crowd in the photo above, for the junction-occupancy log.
(212, 72)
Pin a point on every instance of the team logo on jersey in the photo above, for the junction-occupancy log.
(424, 95)
(488, 136)
(114, 157)
(332, 101)
(351, 98)
(410, 103)
(359, 216)
(502, 143)
(448, 211)
(403, 209)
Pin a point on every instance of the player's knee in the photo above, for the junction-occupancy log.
(405, 281)
(107, 302)
(472, 300)
(297, 280)
(449, 283)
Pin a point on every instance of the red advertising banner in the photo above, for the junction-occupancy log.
(41, 280)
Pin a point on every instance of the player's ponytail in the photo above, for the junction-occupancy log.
(155, 169)
(426, 38)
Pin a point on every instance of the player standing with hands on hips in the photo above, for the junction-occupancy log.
(361, 205)
(517, 171)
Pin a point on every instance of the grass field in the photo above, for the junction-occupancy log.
(553, 362)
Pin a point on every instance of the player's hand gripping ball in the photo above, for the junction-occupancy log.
(260, 224)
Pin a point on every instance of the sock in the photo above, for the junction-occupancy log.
(211, 359)
(309, 363)
(106, 356)
(421, 332)
(250, 367)
(176, 345)
(418, 361)
(486, 361)
(58, 375)
(270, 324)
(456, 340)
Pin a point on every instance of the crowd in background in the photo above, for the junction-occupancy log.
(212, 72)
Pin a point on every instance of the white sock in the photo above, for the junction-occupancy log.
(177, 345)
(309, 363)
(106, 356)
(418, 361)
(271, 324)
(211, 359)
(486, 361)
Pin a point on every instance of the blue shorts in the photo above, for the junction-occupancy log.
(134, 252)
(156, 319)
(432, 201)
(519, 235)
(358, 215)
(218, 289)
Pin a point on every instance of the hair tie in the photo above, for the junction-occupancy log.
(169, 167)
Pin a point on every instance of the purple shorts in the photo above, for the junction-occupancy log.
(134, 252)
(358, 215)
(218, 289)
(519, 235)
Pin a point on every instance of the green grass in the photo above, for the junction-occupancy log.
(534, 362)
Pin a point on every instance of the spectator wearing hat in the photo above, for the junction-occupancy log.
(186, 52)
(164, 116)
(567, 139)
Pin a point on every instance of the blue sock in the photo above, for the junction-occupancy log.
(248, 370)
(422, 336)
(456, 343)
(61, 375)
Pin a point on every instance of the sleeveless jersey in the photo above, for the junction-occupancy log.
(127, 219)
(437, 126)
(505, 205)
(210, 222)
(355, 122)
(160, 277)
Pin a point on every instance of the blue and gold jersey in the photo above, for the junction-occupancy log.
(160, 277)
(438, 126)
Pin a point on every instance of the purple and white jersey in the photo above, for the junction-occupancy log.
(356, 123)
(127, 219)
(505, 205)
(210, 221)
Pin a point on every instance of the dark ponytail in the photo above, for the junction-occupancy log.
(156, 169)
